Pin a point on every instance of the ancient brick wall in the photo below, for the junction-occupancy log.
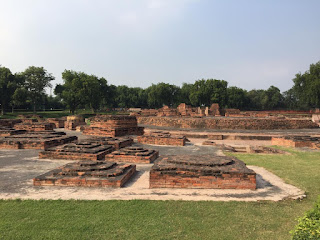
(133, 155)
(162, 138)
(201, 172)
(227, 123)
(297, 141)
(34, 126)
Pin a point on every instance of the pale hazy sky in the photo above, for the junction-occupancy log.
(249, 43)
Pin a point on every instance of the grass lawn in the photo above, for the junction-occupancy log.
(140, 219)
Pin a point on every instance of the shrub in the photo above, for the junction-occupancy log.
(308, 226)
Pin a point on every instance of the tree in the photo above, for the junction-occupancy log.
(19, 97)
(162, 94)
(307, 87)
(7, 87)
(73, 92)
(236, 97)
(36, 80)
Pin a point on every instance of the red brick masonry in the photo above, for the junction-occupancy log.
(162, 138)
(227, 123)
(77, 151)
(133, 155)
(35, 140)
(35, 126)
(87, 174)
(204, 171)
(297, 141)
(117, 143)
(113, 126)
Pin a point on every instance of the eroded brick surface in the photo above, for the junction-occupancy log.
(113, 126)
(7, 131)
(227, 123)
(35, 140)
(34, 126)
(133, 155)
(77, 151)
(117, 143)
(297, 141)
(162, 138)
(88, 174)
(203, 171)
(73, 121)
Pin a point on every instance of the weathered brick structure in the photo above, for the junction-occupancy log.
(35, 140)
(58, 122)
(7, 131)
(74, 121)
(34, 126)
(113, 126)
(214, 110)
(297, 141)
(77, 151)
(9, 122)
(245, 149)
(227, 123)
(133, 155)
(117, 143)
(87, 174)
(162, 138)
(204, 171)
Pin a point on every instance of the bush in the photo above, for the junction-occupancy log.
(308, 226)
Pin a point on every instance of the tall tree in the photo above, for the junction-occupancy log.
(73, 92)
(307, 87)
(236, 98)
(36, 80)
(7, 87)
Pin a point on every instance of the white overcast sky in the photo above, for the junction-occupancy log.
(249, 43)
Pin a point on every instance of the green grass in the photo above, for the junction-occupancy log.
(141, 219)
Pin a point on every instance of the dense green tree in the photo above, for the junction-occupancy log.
(236, 98)
(19, 97)
(162, 94)
(307, 87)
(36, 80)
(73, 93)
(7, 87)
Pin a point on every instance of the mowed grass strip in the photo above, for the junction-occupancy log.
(140, 219)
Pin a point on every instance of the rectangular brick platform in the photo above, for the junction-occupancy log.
(227, 123)
(77, 151)
(162, 138)
(58, 123)
(133, 155)
(35, 140)
(297, 141)
(35, 126)
(202, 171)
(6, 131)
(117, 143)
(73, 122)
(87, 174)
(113, 126)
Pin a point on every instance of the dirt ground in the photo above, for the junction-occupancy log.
(19, 167)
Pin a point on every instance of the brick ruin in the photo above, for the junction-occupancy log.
(116, 143)
(35, 140)
(203, 171)
(162, 138)
(73, 122)
(245, 149)
(77, 151)
(228, 123)
(58, 122)
(113, 126)
(133, 155)
(297, 141)
(7, 131)
(34, 126)
(87, 174)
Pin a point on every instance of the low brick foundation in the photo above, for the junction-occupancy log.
(297, 141)
(73, 121)
(77, 151)
(227, 123)
(162, 138)
(6, 131)
(204, 171)
(58, 123)
(34, 127)
(113, 126)
(87, 174)
(117, 143)
(35, 140)
(133, 155)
